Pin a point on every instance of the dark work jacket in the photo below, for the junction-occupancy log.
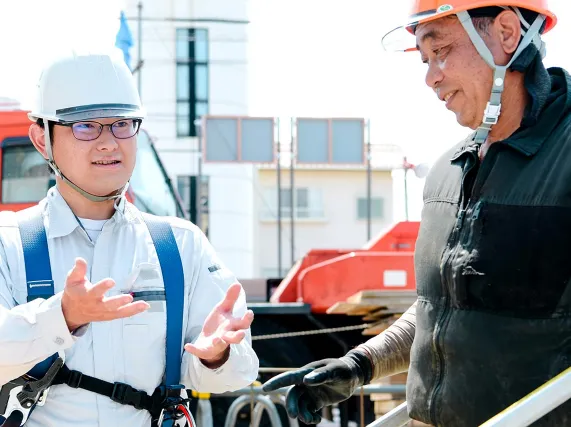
(493, 271)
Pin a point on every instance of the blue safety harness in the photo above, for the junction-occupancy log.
(40, 284)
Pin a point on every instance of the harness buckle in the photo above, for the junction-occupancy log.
(125, 394)
(74, 379)
(492, 114)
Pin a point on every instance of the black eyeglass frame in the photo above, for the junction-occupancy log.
(101, 127)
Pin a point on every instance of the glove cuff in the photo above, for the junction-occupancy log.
(363, 362)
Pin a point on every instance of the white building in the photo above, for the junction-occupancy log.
(194, 55)
(194, 62)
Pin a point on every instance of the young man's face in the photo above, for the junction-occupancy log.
(100, 166)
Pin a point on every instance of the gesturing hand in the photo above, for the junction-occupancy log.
(83, 302)
(221, 329)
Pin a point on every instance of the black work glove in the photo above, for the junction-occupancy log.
(322, 383)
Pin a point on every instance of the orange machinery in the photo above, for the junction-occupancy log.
(327, 276)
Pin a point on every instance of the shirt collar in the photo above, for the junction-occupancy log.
(62, 221)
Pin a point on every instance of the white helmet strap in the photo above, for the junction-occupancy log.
(493, 108)
(119, 194)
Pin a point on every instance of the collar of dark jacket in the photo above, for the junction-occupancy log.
(550, 97)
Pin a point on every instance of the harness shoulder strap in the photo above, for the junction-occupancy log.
(173, 279)
(39, 281)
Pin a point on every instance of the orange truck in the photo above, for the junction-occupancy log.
(26, 177)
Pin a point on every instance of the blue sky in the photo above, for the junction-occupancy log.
(307, 58)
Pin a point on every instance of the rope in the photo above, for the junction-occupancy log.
(314, 332)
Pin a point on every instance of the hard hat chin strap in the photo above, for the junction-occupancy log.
(493, 108)
(119, 194)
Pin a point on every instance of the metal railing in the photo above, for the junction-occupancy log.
(259, 411)
(536, 404)
(524, 412)
(264, 401)
(261, 401)
(396, 418)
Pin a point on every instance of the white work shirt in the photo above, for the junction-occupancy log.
(130, 350)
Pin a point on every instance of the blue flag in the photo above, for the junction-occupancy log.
(124, 39)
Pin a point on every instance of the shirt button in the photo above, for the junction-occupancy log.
(59, 340)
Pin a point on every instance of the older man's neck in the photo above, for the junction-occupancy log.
(514, 101)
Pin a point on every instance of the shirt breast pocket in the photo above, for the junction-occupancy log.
(144, 337)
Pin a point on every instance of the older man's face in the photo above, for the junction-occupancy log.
(456, 71)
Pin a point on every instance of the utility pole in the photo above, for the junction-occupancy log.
(139, 46)
(198, 125)
(279, 177)
(292, 194)
(369, 179)
(406, 166)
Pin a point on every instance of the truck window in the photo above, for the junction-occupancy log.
(25, 174)
(148, 182)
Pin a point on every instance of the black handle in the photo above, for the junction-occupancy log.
(14, 420)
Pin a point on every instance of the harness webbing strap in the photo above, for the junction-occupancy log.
(173, 278)
(39, 283)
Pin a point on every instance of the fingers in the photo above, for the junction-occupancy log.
(131, 309)
(232, 295)
(77, 274)
(205, 352)
(233, 337)
(292, 401)
(100, 288)
(286, 379)
(320, 376)
(116, 302)
(299, 404)
(305, 412)
(244, 323)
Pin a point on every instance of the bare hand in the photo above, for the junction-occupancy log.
(83, 302)
(221, 329)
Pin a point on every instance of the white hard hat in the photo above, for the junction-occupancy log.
(86, 86)
(82, 87)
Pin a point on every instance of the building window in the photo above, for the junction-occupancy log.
(308, 203)
(187, 188)
(192, 76)
(377, 208)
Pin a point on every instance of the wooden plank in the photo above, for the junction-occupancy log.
(352, 309)
(366, 296)
(381, 314)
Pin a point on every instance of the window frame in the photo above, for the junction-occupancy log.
(190, 103)
(374, 217)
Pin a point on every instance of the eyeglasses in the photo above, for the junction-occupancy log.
(89, 131)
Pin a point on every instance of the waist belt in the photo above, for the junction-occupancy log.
(164, 399)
